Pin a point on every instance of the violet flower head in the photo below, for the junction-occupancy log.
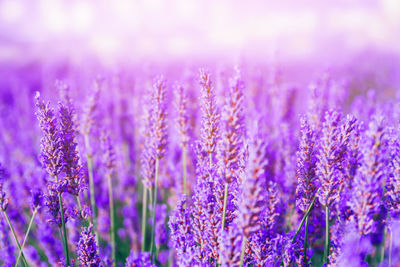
(87, 249)
(90, 109)
(252, 200)
(331, 156)
(51, 201)
(109, 157)
(182, 118)
(37, 199)
(392, 195)
(306, 166)
(72, 167)
(3, 199)
(139, 259)
(159, 115)
(368, 183)
(210, 115)
(180, 233)
(51, 143)
(231, 244)
(231, 150)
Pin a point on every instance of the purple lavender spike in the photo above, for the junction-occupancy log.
(87, 252)
(368, 182)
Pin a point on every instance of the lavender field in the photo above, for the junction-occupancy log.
(198, 158)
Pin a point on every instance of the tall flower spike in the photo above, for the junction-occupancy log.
(87, 252)
(182, 119)
(306, 166)
(51, 143)
(252, 201)
(210, 117)
(331, 156)
(181, 235)
(3, 199)
(72, 167)
(231, 146)
(392, 196)
(159, 113)
(368, 182)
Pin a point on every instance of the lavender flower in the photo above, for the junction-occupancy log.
(392, 195)
(139, 260)
(330, 166)
(87, 249)
(182, 118)
(3, 199)
(210, 117)
(181, 233)
(72, 166)
(51, 143)
(368, 189)
(252, 201)
(159, 113)
(306, 166)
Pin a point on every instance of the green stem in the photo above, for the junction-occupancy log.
(305, 242)
(244, 241)
(112, 217)
(382, 252)
(390, 247)
(154, 210)
(15, 237)
(26, 236)
(225, 205)
(144, 213)
(184, 162)
(89, 159)
(305, 216)
(326, 249)
(65, 240)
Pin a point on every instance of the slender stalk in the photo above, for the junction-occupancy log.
(390, 247)
(144, 215)
(112, 218)
(382, 252)
(305, 216)
(326, 249)
(64, 231)
(26, 236)
(244, 241)
(154, 209)
(15, 237)
(89, 159)
(184, 163)
(225, 204)
(305, 242)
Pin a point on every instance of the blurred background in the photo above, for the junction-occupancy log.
(112, 32)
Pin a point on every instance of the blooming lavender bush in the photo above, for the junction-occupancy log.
(200, 167)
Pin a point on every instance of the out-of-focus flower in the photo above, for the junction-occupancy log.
(368, 182)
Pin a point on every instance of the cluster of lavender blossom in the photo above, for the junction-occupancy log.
(207, 168)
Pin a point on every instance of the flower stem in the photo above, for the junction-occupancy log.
(390, 247)
(26, 235)
(64, 237)
(184, 163)
(326, 249)
(305, 216)
(305, 242)
(244, 241)
(144, 215)
(112, 218)
(154, 209)
(382, 246)
(89, 159)
(15, 237)
(225, 205)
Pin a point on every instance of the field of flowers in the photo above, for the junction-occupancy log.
(245, 165)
